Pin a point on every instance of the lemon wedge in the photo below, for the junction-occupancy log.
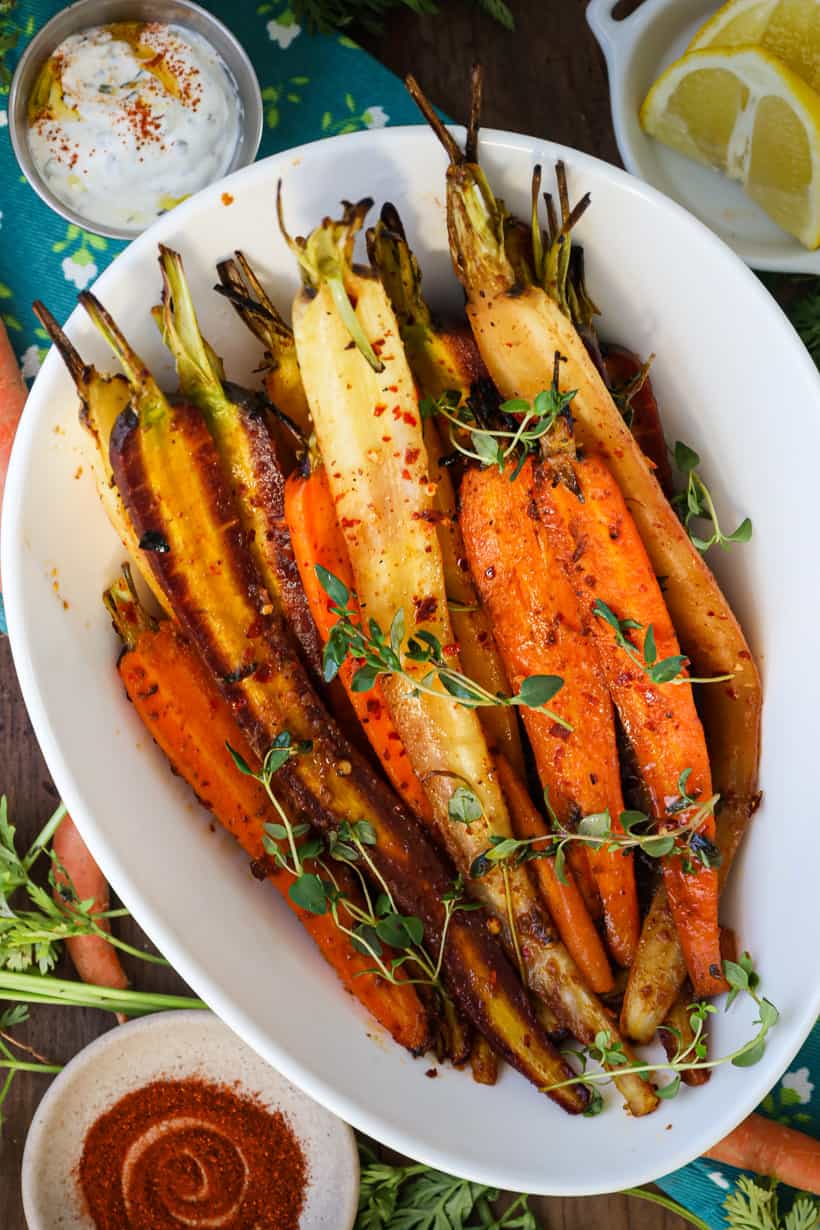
(788, 29)
(744, 112)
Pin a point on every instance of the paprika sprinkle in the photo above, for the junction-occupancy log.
(192, 1154)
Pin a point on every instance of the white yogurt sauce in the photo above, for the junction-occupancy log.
(125, 121)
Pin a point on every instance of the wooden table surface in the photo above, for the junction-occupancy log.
(549, 80)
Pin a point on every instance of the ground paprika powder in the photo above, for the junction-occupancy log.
(192, 1154)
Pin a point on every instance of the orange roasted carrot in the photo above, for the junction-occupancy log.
(181, 706)
(769, 1148)
(564, 901)
(318, 539)
(597, 542)
(537, 626)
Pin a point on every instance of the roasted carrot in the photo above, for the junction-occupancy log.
(538, 627)
(631, 387)
(172, 484)
(317, 539)
(484, 1062)
(597, 543)
(771, 1149)
(563, 900)
(383, 499)
(94, 959)
(182, 707)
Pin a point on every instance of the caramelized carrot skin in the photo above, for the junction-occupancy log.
(601, 552)
(621, 366)
(564, 901)
(537, 625)
(317, 539)
(182, 708)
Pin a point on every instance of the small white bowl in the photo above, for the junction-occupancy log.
(637, 49)
(175, 1046)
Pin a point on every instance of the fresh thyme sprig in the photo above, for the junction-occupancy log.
(30, 937)
(372, 921)
(667, 670)
(382, 653)
(696, 504)
(497, 446)
(689, 1056)
(596, 831)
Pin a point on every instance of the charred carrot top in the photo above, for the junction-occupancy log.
(538, 627)
(186, 714)
(600, 549)
(563, 900)
(317, 539)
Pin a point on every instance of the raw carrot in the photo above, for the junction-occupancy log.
(318, 539)
(12, 399)
(185, 712)
(537, 626)
(564, 901)
(769, 1148)
(600, 549)
(94, 959)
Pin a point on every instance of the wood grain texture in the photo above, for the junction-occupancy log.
(547, 80)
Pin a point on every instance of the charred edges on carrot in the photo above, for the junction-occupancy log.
(696, 503)
(596, 831)
(377, 920)
(381, 654)
(689, 1056)
(667, 670)
(525, 425)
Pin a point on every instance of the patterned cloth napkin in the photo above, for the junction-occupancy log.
(312, 86)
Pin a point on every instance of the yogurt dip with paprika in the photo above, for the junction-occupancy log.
(127, 120)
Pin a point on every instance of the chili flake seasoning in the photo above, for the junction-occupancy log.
(192, 1154)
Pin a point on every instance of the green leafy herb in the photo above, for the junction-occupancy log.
(384, 654)
(805, 316)
(464, 806)
(696, 504)
(752, 1207)
(368, 923)
(667, 670)
(30, 935)
(692, 1055)
(497, 446)
(597, 832)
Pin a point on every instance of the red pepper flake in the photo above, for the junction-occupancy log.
(405, 475)
(425, 608)
(410, 419)
(379, 409)
(411, 455)
(226, 198)
(349, 522)
(396, 412)
(193, 1153)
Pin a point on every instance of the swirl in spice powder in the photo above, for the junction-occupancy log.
(192, 1154)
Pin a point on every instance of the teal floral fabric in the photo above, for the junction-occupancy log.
(312, 86)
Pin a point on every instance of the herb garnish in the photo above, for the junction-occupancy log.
(596, 831)
(752, 1207)
(381, 654)
(370, 922)
(29, 937)
(667, 670)
(497, 446)
(696, 503)
(690, 1056)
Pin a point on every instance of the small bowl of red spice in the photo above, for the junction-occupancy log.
(171, 1122)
